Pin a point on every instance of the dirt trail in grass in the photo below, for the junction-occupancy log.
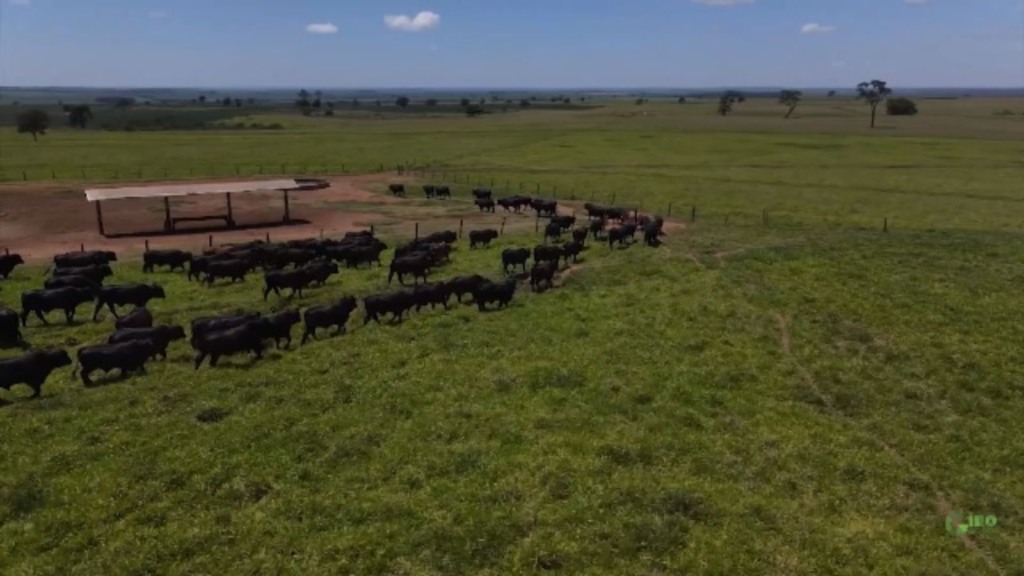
(942, 504)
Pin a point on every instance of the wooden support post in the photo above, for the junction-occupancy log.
(82, 247)
(147, 245)
(670, 209)
(210, 241)
(416, 234)
(613, 197)
(372, 232)
(99, 219)
(267, 237)
(231, 214)
(168, 225)
(460, 228)
(693, 214)
(287, 208)
(502, 231)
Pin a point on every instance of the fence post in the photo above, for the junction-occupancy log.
(502, 231)
(693, 214)
(670, 209)
(371, 230)
(268, 237)
(24, 176)
(82, 246)
(147, 245)
(885, 225)
(460, 228)
(210, 241)
(764, 217)
(416, 234)
(536, 224)
(53, 174)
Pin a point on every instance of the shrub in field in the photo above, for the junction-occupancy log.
(900, 107)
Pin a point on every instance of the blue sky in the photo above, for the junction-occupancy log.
(510, 43)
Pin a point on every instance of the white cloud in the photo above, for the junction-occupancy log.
(422, 21)
(815, 28)
(322, 28)
(158, 14)
(723, 2)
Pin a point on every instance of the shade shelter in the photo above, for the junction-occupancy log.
(98, 195)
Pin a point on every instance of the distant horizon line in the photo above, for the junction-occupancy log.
(494, 88)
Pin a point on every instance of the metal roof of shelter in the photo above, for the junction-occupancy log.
(96, 194)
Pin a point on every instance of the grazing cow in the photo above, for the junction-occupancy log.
(616, 213)
(500, 292)
(42, 302)
(97, 273)
(8, 262)
(129, 356)
(161, 336)
(543, 272)
(484, 204)
(565, 222)
(429, 190)
(595, 211)
(431, 294)
(278, 327)
(139, 317)
(547, 253)
(446, 237)
(514, 203)
(572, 249)
(80, 259)
(234, 269)
(416, 264)
(125, 294)
(580, 235)
(482, 193)
(394, 303)
(319, 271)
(512, 257)
(206, 324)
(397, 189)
(462, 285)
(552, 231)
(10, 328)
(620, 233)
(32, 368)
(483, 237)
(443, 192)
(73, 281)
(544, 207)
(652, 231)
(247, 336)
(327, 315)
(294, 280)
(596, 227)
(170, 258)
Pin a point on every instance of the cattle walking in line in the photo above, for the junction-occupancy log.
(595, 211)
(71, 281)
(544, 252)
(498, 292)
(482, 193)
(616, 214)
(32, 368)
(10, 328)
(462, 285)
(278, 327)
(552, 231)
(139, 317)
(484, 204)
(429, 190)
(8, 262)
(127, 357)
(42, 302)
(443, 192)
(512, 257)
(418, 265)
(619, 234)
(565, 222)
(294, 280)
(397, 189)
(481, 237)
(171, 258)
(327, 315)
(161, 337)
(205, 324)
(571, 249)
(124, 294)
(445, 237)
(580, 235)
(543, 272)
(514, 203)
(394, 303)
(431, 294)
(87, 258)
(597, 227)
(245, 337)
(544, 207)
(652, 231)
(97, 273)
(320, 271)
(282, 258)
(234, 269)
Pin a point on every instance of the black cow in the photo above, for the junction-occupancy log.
(170, 258)
(543, 272)
(364, 255)
(446, 237)
(620, 233)
(125, 294)
(652, 231)
(161, 336)
(462, 285)
(97, 273)
(595, 210)
(139, 317)
(547, 253)
(514, 203)
(580, 235)
(544, 207)
(443, 192)
(42, 302)
(616, 213)
(319, 271)
(572, 249)
(278, 327)
(484, 204)
(80, 259)
(565, 222)
(482, 193)
(429, 190)
(431, 294)
(511, 257)
(597, 226)
(394, 303)
(248, 336)
(128, 357)
(416, 264)
(397, 189)
(235, 269)
(206, 324)
(32, 368)
(71, 281)
(411, 248)
(294, 280)
(327, 315)
(552, 231)
(500, 292)
(483, 237)
(8, 262)
(277, 259)
(10, 328)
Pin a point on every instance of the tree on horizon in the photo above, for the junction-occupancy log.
(873, 92)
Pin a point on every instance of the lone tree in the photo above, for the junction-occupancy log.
(874, 93)
(790, 99)
(33, 122)
(900, 107)
(78, 115)
(727, 100)
(303, 101)
(402, 102)
(831, 93)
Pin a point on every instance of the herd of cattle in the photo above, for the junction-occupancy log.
(78, 278)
